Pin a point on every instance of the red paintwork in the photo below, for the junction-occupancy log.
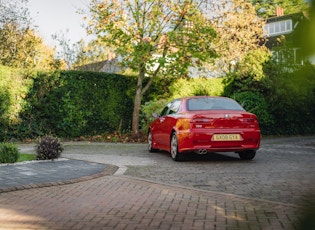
(195, 134)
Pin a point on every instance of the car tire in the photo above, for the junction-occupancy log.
(247, 155)
(176, 156)
(150, 142)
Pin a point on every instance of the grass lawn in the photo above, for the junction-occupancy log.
(26, 157)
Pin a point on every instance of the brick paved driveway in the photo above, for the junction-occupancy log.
(282, 171)
(150, 191)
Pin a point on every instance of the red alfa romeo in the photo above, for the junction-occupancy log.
(204, 124)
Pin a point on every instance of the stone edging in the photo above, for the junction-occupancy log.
(109, 170)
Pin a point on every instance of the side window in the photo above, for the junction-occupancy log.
(165, 110)
(174, 107)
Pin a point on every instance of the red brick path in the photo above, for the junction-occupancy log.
(118, 202)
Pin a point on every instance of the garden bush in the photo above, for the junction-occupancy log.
(292, 101)
(48, 147)
(13, 88)
(9, 152)
(197, 87)
(255, 102)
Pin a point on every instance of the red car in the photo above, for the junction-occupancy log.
(204, 124)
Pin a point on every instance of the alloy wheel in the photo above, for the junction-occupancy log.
(174, 147)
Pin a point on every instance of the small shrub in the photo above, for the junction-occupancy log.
(9, 153)
(48, 147)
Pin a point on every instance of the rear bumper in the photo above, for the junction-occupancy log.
(193, 141)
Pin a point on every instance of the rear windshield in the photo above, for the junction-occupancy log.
(212, 104)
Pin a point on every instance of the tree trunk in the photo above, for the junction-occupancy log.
(136, 112)
(137, 103)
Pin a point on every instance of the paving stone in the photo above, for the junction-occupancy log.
(151, 191)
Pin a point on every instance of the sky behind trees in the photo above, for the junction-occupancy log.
(55, 16)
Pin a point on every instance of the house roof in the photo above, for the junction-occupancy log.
(296, 17)
(109, 66)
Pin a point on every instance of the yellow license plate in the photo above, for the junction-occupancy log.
(226, 137)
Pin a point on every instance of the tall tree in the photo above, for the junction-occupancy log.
(14, 11)
(239, 31)
(241, 46)
(20, 46)
(154, 37)
(243, 55)
(23, 48)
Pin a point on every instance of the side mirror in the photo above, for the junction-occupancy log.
(155, 115)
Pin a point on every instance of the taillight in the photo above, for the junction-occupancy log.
(249, 122)
(200, 122)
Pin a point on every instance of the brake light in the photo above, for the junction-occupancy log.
(247, 120)
(250, 122)
(200, 120)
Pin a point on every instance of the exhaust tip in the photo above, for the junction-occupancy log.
(201, 151)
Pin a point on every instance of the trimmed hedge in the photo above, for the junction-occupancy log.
(69, 103)
(73, 103)
(292, 102)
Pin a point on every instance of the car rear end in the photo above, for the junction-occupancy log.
(220, 130)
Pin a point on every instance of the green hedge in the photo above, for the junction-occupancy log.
(292, 102)
(283, 101)
(13, 89)
(68, 103)
(256, 103)
(72, 103)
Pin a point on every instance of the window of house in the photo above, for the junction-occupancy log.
(282, 26)
(277, 28)
(293, 55)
